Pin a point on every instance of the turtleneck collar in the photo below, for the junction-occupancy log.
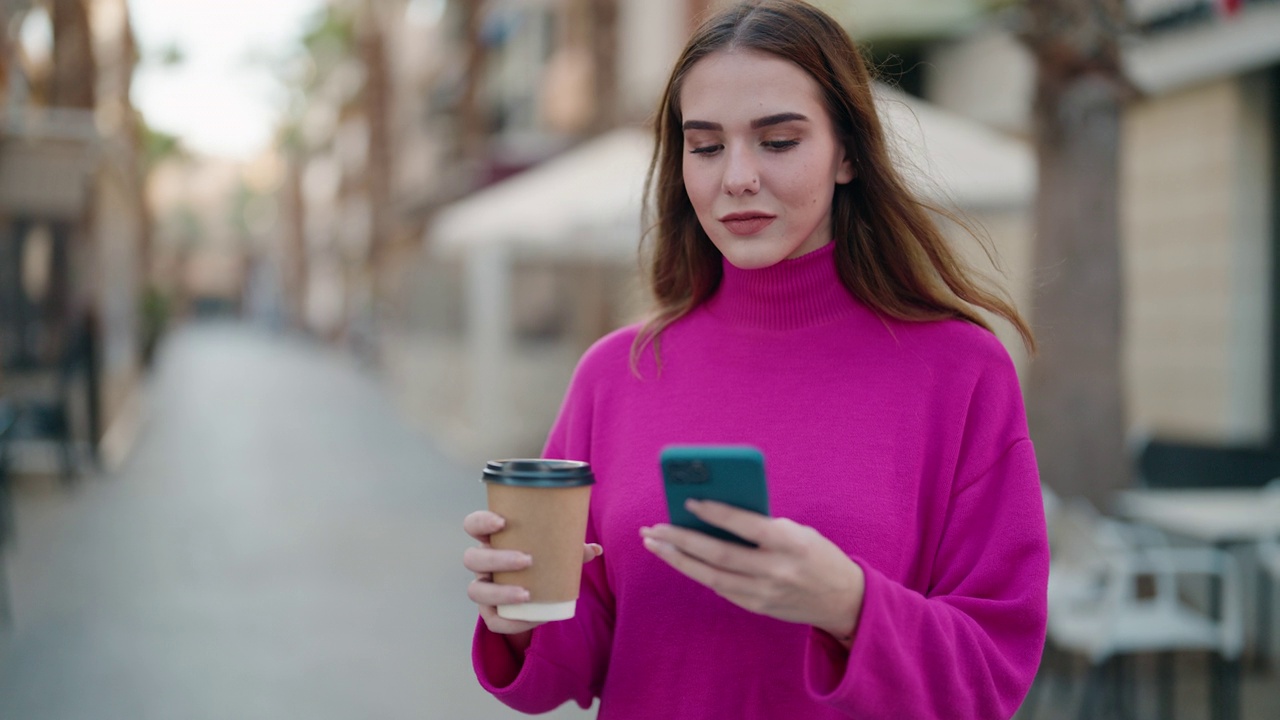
(797, 293)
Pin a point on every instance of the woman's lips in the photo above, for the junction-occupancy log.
(747, 224)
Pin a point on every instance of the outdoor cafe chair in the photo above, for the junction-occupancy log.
(6, 508)
(1269, 558)
(1269, 562)
(1096, 610)
(43, 401)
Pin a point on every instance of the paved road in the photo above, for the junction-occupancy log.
(279, 545)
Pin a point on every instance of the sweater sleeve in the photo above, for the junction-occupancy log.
(970, 644)
(566, 660)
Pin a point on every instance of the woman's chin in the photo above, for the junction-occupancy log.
(752, 254)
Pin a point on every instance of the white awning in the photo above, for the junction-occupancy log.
(951, 160)
(587, 200)
(1215, 48)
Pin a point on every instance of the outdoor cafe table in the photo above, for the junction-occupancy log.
(1223, 517)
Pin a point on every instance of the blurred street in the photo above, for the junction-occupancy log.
(278, 545)
(294, 269)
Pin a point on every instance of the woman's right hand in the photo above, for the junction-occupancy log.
(484, 561)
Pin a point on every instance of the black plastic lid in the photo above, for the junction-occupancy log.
(538, 473)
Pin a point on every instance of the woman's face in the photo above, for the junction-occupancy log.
(761, 159)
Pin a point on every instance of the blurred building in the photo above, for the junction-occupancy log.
(72, 220)
(406, 105)
(201, 247)
(520, 277)
(539, 82)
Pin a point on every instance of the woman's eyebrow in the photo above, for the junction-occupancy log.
(777, 119)
(755, 124)
(701, 125)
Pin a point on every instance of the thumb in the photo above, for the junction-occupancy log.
(591, 551)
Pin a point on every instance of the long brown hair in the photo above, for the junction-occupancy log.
(889, 251)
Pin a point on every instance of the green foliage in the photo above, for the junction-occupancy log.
(187, 227)
(155, 308)
(239, 208)
(289, 137)
(156, 145)
(330, 37)
(171, 55)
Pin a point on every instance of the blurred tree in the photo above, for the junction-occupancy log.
(155, 303)
(75, 71)
(157, 146)
(171, 55)
(376, 101)
(697, 11)
(603, 17)
(328, 41)
(6, 16)
(472, 126)
(1075, 395)
(294, 269)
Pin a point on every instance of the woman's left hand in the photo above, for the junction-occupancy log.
(795, 574)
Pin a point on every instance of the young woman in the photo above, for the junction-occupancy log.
(807, 304)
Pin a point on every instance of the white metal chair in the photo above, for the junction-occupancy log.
(1269, 558)
(1266, 574)
(1096, 610)
(1269, 563)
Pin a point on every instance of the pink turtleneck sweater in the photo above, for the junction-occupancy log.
(904, 443)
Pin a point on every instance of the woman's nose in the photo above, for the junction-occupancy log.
(741, 175)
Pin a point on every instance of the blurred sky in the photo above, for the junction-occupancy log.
(222, 99)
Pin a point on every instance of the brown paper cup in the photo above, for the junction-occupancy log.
(550, 524)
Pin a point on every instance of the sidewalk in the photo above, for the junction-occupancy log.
(278, 545)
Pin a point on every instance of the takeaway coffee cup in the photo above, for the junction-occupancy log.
(545, 504)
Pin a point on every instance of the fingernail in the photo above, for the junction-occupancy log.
(528, 559)
(691, 503)
(651, 544)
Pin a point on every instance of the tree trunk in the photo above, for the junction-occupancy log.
(696, 12)
(377, 110)
(604, 52)
(295, 238)
(74, 70)
(473, 126)
(5, 16)
(1075, 396)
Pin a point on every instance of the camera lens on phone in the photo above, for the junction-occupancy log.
(690, 473)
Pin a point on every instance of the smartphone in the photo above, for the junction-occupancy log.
(731, 474)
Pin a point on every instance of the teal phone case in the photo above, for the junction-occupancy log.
(731, 474)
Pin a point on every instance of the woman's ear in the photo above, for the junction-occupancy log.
(846, 172)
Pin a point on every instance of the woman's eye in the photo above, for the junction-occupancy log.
(706, 149)
(781, 144)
